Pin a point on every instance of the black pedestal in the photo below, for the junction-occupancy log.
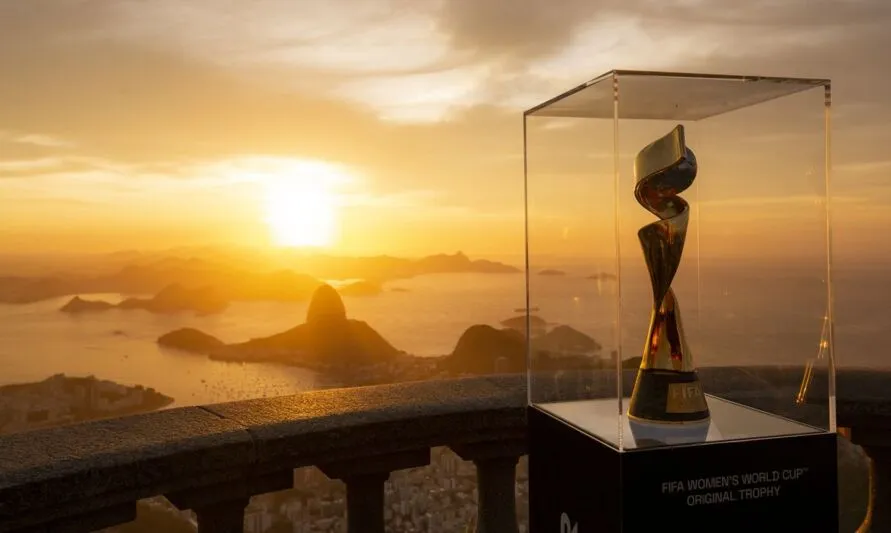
(582, 484)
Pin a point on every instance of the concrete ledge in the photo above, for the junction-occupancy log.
(94, 470)
(864, 398)
(72, 470)
(88, 521)
(338, 425)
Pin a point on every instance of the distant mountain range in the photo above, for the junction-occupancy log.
(171, 299)
(236, 277)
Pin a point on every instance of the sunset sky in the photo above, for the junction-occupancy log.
(371, 126)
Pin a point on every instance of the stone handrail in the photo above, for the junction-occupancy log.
(212, 459)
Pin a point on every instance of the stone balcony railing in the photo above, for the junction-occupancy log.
(212, 459)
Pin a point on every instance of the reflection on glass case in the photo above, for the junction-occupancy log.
(679, 280)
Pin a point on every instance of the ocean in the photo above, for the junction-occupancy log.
(730, 318)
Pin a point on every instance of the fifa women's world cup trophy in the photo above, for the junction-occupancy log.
(667, 403)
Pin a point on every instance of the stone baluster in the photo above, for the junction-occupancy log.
(877, 445)
(496, 474)
(220, 507)
(364, 479)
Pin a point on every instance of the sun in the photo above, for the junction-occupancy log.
(300, 206)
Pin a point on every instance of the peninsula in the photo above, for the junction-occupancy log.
(60, 400)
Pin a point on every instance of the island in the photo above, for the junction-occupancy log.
(564, 340)
(361, 288)
(171, 299)
(191, 340)
(551, 272)
(60, 400)
(483, 349)
(605, 276)
(537, 324)
(78, 305)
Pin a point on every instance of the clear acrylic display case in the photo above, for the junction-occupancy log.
(753, 282)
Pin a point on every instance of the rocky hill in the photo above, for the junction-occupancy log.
(483, 349)
(326, 339)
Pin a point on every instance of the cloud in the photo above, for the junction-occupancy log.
(28, 165)
(46, 141)
(30, 202)
(458, 53)
(327, 35)
(34, 139)
(142, 105)
(420, 94)
(425, 97)
(816, 201)
(398, 200)
(256, 168)
(21, 150)
(865, 167)
(517, 30)
(427, 205)
(61, 166)
(403, 43)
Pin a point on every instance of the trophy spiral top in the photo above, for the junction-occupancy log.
(667, 389)
(662, 170)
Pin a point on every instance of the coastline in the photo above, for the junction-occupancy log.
(61, 400)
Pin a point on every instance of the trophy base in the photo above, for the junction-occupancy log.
(668, 397)
(648, 433)
(584, 477)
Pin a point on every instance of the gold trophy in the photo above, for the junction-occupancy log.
(667, 403)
